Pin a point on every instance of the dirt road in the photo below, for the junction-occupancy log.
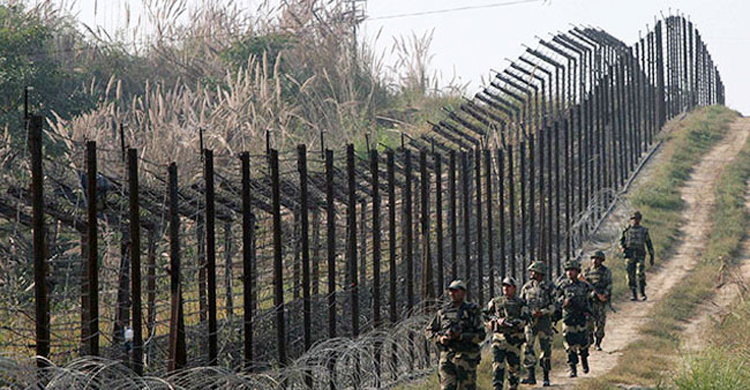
(624, 326)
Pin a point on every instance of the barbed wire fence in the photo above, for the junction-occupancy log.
(325, 266)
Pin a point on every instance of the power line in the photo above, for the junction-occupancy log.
(457, 9)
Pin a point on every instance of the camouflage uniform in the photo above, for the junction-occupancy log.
(575, 318)
(600, 279)
(459, 358)
(539, 296)
(507, 340)
(634, 242)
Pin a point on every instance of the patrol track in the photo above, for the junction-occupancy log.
(624, 327)
(731, 285)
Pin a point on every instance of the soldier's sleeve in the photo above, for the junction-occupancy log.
(649, 245)
(433, 329)
(622, 238)
(476, 333)
(608, 282)
(549, 309)
(489, 310)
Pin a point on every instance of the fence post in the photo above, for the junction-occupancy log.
(304, 231)
(377, 322)
(278, 266)
(480, 248)
(177, 348)
(490, 232)
(512, 213)
(428, 282)
(522, 182)
(41, 299)
(453, 223)
(331, 249)
(92, 265)
(407, 201)
(467, 221)
(439, 223)
(501, 209)
(228, 269)
(352, 229)
(248, 232)
(135, 258)
(208, 160)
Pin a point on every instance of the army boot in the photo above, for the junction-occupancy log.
(635, 295)
(545, 368)
(643, 292)
(585, 361)
(530, 377)
(598, 343)
(572, 362)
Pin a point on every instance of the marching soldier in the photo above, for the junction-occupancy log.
(573, 295)
(634, 242)
(457, 329)
(506, 317)
(599, 278)
(539, 295)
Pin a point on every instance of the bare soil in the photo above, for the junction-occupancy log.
(624, 327)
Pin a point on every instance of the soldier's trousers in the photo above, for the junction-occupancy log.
(597, 321)
(636, 267)
(576, 336)
(458, 370)
(506, 350)
(545, 344)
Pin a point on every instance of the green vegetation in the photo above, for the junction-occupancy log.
(660, 201)
(644, 361)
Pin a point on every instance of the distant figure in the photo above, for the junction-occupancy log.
(573, 294)
(506, 316)
(600, 279)
(634, 242)
(539, 295)
(457, 330)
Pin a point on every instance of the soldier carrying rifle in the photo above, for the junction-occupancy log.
(457, 330)
(506, 316)
(599, 278)
(539, 294)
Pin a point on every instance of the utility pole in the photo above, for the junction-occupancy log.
(354, 14)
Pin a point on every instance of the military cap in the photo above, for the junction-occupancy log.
(598, 255)
(457, 285)
(509, 281)
(538, 266)
(570, 264)
(636, 215)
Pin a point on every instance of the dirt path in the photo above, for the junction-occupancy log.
(732, 285)
(624, 326)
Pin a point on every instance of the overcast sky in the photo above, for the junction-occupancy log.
(468, 43)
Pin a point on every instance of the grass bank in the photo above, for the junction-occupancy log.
(659, 200)
(645, 360)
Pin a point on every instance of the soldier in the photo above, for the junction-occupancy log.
(634, 242)
(506, 317)
(457, 329)
(539, 295)
(599, 278)
(573, 295)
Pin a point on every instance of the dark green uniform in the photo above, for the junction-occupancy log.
(507, 339)
(575, 319)
(539, 296)
(600, 279)
(460, 357)
(634, 242)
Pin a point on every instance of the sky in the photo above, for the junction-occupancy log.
(467, 43)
